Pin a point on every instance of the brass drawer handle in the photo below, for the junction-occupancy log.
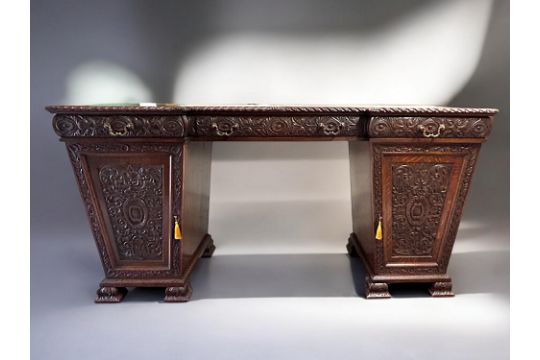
(427, 134)
(331, 128)
(226, 129)
(121, 132)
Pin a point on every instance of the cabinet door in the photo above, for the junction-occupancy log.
(422, 192)
(132, 191)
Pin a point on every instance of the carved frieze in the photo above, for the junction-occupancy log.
(276, 126)
(74, 125)
(429, 127)
(116, 125)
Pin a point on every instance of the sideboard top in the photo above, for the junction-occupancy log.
(156, 108)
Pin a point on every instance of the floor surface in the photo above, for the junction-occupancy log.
(281, 306)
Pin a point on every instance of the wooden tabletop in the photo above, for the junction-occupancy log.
(153, 108)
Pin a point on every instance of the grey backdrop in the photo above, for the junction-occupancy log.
(150, 38)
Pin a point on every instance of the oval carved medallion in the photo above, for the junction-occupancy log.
(136, 212)
(416, 211)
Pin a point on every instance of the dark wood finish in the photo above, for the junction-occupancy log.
(178, 293)
(89, 125)
(131, 189)
(209, 250)
(196, 195)
(173, 109)
(233, 126)
(419, 189)
(430, 127)
(138, 166)
(133, 195)
(110, 295)
(361, 197)
(418, 193)
(441, 289)
(376, 290)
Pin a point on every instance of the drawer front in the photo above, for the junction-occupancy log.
(118, 126)
(275, 126)
(429, 127)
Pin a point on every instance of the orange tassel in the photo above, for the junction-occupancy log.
(378, 233)
(177, 231)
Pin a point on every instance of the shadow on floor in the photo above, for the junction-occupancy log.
(324, 275)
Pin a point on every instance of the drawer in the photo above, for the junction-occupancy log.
(118, 125)
(429, 127)
(275, 126)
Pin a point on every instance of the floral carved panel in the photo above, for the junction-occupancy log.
(404, 177)
(418, 197)
(119, 184)
(133, 197)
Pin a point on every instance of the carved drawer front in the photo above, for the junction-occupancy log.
(132, 191)
(73, 125)
(429, 127)
(275, 126)
(422, 195)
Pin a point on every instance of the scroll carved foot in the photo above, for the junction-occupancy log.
(350, 248)
(441, 289)
(210, 248)
(376, 290)
(109, 294)
(178, 293)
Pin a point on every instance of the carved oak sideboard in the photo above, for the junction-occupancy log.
(144, 177)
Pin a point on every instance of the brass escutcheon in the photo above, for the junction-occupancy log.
(427, 134)
(121, 132)
(331, 128)
(225, 132)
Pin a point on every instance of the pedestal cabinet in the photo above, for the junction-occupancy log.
(144, 176)
(132, 190)
(417, 195)
(136, 175)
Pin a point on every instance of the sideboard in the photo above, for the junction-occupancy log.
(143, 172)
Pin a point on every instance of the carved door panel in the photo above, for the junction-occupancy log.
(422, 193)
(132, 191)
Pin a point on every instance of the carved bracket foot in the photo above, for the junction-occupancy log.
(210, 248)
(376, 290)
(441, 289)
(108, 294)
(351, 250)
(178, 293)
